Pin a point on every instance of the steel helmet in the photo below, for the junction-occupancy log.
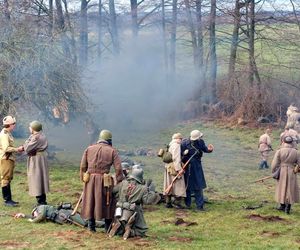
(105, 135)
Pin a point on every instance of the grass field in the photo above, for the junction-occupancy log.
(226, 224)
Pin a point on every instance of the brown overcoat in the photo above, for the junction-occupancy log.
(97, 160)
(37, 164)
(287, 190)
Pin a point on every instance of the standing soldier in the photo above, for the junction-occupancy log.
(194, 175)
(171, 170)
(264, 147)
(289, 131)
(97, 159)
(287, 189)
(37, 164)
(7, 157)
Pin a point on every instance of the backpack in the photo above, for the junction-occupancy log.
(165, 155)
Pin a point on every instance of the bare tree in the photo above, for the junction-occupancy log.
(113, 27)
(212, 52)
(173, 38)
(83, 42)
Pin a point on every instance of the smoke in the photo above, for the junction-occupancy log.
(132, 93)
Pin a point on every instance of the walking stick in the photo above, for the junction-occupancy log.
(168, 189)
(77, 205)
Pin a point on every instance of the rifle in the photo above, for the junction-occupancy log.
(77, 205)
(264, 178)
(168, 189)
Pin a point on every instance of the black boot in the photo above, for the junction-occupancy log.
(288, 208)
(281, 208)
(261, 165)
(107, 224)
(168, 201)
(41, 199)
(6, 193)
(92, 225)
(177, 203)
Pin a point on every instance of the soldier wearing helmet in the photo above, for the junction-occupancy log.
(287, 189)
(129, 216)
(265, 147)
(7, 157)
(98, 202)
(37, 164)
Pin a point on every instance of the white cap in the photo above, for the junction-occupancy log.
(8, 120)
(195, 135)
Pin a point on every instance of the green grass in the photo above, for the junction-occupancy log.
(230, 172)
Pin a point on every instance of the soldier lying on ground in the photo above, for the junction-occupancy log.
(129, 216)
(61, 214)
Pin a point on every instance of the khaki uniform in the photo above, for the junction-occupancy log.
(98, 202)
(264, 146)
(7, 157)
(292, 133)
(287, 189)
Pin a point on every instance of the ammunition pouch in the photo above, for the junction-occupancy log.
(127, 210)
(107, 180)
(171, 169)
(67, 205)
(86, 177)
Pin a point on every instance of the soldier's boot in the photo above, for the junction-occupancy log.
(288, 208)
(114, 228)
(266, 164)
(107, 225)
(168, 201)
(261, 165)
(281, 208)
(177, 203)
(128, 226)
(92, 225)
(6, 192)
(41, 199)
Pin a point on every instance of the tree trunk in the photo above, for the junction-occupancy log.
(6, 9)
(51, 19)
(199, 32)
(193, 34)
(163, 23)
(99, 47)
(213, 55)
(60, 21)
(83, 41)
(113, 27)
(173, 38)
(235, 40)
(134, 21)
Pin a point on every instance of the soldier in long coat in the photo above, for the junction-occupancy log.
(171, 170)
(133, 194)
(287, 190)
(264, 147)
(37, 165)
(7, 159)
(98, 202)
(194, 175)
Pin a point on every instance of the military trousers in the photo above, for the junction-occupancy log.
(6, 171)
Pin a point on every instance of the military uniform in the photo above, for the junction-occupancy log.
(264, 147)
(132, 195)
(7, 164)
(37, 166)
(97, 202)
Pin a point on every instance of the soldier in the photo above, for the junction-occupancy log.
(171, 170)
(287, 190)
(97, 159)
(194, 176)
(62, 214)
(37, 164)
(264, 147)
(125, 168)
(289, 131)
(7, 157)
(129, 216)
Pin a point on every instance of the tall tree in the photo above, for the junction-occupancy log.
(213, 54)
(134, 17)
(99, 47)
(164, 34)
(83, 41)
(114, 28)
(173, 38)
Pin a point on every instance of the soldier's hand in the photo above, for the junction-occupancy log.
(210, 147)
(20, 149)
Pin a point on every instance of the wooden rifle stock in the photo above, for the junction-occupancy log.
(77, 205)
(264, 178)
(168, 189)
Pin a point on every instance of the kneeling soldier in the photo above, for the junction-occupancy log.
(129, 217)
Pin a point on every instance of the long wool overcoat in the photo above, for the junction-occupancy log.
(37, 164)
(97, 201)
(287, 190)
(194, 175)
(178, 188)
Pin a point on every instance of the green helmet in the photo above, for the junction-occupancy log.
(39, 214)
(105, 135)
(36, 126)
(125, 165)
(137, 174)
